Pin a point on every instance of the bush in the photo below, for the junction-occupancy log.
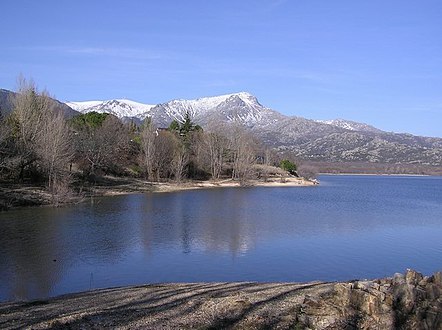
(288, 166)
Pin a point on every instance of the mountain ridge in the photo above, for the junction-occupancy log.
(118, 107)
(163, 113)
(176, 108)
(350, 125)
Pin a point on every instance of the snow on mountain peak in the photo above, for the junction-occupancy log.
(240, 106)
(201, 107)
(83, 105)
(117, 107)
(206, 103)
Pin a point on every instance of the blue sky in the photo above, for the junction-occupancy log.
(376, 61)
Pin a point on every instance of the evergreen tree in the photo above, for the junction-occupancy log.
(90, 120)
(288, 166)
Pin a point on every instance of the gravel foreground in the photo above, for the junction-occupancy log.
(166, 306)
(409, 301)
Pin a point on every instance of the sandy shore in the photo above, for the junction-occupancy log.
(120, 187)
(288, 182)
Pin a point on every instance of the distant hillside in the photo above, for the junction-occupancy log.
(5, 101)
(6, 104)
(350, 125)
(322, 142)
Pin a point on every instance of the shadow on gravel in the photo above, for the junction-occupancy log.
(208, 306)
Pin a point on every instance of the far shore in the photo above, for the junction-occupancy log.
(22, 195)
(162, 187)
(374, 174)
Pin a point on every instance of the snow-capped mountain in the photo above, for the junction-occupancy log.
(246, 109)
(350, 125)
(239, 107)
(242, 107)
(120, 108)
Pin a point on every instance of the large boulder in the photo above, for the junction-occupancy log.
(409, 301)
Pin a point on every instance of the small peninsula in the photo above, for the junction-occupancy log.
(21, 195)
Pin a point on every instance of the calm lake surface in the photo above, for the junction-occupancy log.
(348, 227)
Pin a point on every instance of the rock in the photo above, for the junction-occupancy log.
(405, 302)
(433, 291)
(437, 278)
(398, 278)
(424, 281)
(413, 277)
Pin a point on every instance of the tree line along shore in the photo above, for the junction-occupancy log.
(47, 158)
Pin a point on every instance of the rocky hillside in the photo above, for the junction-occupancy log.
(6, 97)
(350, 125)
(321, 142)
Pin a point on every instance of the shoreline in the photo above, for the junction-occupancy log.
(411, 300)
(374, 174)
(14, 196)
(162, 187)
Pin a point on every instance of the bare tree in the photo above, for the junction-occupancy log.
(242, 147)
(180, 160)
(197, 156)
(55, 152)
(269, 157)
(165, 145)
(104, 147)
(115, 135)
(29, 110)
(6, 149)
(42, 137)
(148, 135)
(215, 146)
(307, 171)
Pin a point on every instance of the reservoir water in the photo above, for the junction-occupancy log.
(348, 227)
